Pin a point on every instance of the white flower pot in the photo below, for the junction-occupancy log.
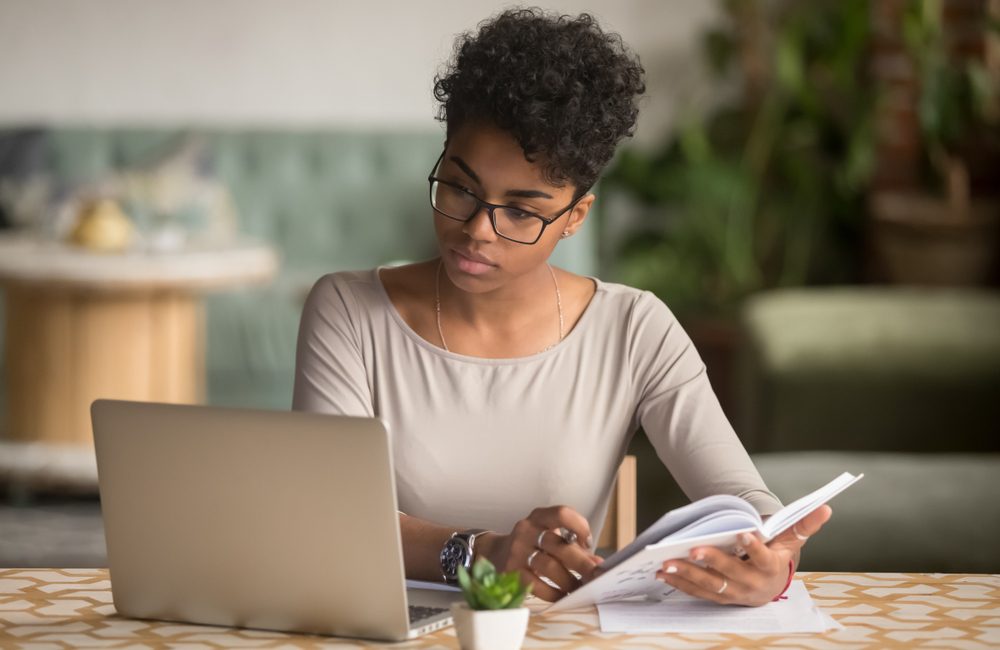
(497, 629)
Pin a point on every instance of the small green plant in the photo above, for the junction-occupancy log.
(486, 589)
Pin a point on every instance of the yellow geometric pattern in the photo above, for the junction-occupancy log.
(60, 608)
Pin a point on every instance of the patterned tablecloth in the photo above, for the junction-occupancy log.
(59, 608)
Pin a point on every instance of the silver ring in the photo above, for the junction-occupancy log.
(532, 557)
(567, 535)
(541, 536)
(725, 585)
(799, 536)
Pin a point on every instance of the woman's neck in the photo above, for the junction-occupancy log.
(522, 317)
(516, 301)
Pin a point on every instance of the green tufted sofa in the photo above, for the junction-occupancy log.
(327, 200)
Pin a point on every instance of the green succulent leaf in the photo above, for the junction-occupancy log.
(487, 589)
(465, 582)
(481, 569)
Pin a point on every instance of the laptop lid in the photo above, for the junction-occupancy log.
(266, 519)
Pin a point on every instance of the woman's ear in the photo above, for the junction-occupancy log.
(578, 215)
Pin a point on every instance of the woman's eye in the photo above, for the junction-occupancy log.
(456, 185)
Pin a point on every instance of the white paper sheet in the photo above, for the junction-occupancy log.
(679, 612)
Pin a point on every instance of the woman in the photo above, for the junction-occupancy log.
(512, 388)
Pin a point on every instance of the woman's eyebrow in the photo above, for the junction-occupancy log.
(524, 194)
(528, 194)
(465, 168)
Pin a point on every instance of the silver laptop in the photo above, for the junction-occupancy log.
(261, 519)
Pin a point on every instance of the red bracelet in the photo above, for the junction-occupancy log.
(791, 574)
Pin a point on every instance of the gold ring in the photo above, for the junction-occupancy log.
(725, 585)
(800, 536)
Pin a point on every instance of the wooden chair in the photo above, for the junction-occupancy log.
(619, 524)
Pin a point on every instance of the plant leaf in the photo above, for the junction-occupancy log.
(483, 568)
(486, 589)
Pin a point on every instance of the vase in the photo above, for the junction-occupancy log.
(917, 239)
(489, 629)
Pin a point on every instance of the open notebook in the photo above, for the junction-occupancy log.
(712, 521)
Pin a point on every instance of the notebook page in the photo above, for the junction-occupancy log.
(799, 508)
(678, 519)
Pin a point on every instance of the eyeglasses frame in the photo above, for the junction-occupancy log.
(490, 207)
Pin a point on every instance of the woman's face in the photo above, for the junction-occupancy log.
(490, 164)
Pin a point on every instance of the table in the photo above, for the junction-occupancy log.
(82, 325)
(73, 608)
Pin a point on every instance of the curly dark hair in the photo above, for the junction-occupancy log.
(566, 90)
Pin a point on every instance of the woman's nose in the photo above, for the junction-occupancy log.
(480, 226)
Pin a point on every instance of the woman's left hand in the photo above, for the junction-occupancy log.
(726, 579)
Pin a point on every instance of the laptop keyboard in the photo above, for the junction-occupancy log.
(420, 613)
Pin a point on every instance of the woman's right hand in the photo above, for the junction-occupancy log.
(535, 539)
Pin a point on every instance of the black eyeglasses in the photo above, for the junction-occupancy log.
(517, 225)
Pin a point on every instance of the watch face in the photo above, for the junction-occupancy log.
(454, 554)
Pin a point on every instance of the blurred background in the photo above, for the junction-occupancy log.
(813, 188)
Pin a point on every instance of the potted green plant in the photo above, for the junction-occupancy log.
(493, 616)
(943, 232)
(767, 189)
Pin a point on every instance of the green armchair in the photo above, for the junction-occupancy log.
(901, 384)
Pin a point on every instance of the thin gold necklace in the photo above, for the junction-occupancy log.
(437, 307)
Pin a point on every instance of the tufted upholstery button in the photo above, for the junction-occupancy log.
(250, 163)
(315, 162)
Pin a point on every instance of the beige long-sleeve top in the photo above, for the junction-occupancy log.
(479, 443)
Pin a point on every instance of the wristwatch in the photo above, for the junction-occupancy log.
(458, 551)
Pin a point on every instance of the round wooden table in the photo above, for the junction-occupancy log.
(83, 325)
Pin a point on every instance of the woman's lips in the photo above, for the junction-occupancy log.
(471, 266)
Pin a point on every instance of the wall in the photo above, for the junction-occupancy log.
(288, 62)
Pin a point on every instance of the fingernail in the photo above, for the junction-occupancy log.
(670, 569)
(590, 541)
(699, 556)
(745, 539)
